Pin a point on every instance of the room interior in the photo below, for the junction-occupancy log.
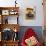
(16, 17)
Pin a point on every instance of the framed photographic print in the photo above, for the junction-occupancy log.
(5, 12)
(30, 13)
(13, 12)
(10, 19)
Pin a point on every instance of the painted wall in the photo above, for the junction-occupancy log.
(23, 4)
(38, 21)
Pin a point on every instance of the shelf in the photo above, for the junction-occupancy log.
(11, 41)
(11, 26)
(9, 20)
(7, 17)
(2, 8)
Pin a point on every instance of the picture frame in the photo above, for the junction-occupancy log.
(5, 12)
(30, 13)
(13, 12)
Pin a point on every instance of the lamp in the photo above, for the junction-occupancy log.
(15, 30)
(16, 4)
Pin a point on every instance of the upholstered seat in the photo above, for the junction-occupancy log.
(28, 38)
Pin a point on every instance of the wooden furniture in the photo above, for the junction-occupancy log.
(6, 12)
(6, 24)
(0, 43)
(10, 43)
(11, 26)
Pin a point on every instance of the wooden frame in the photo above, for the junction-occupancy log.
(5, 12)
(9, 20)
(6, 24)
(30, 13)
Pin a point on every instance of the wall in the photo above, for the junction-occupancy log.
(38, 21)
(23, 4)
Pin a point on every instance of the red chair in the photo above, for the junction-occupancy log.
(29, 33)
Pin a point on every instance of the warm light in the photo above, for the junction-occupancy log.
(12, 10)
(15, 30)
(17, 5)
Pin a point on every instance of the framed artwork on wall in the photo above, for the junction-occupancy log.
(30, 13)
(5, 12)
